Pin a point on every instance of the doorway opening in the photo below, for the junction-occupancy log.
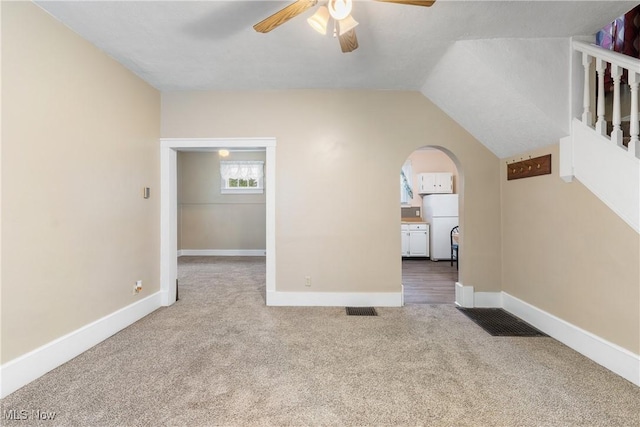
(221, 216)
(431, 206)
(169, 204)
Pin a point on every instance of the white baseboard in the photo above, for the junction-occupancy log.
(335, 299)
(164, 299)
(26, 368)
(467, 298)
(222, 252)
(464, 295)
(611, 356)
(487, 299)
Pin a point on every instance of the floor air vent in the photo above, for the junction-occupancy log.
(361, 311)
(498, 322)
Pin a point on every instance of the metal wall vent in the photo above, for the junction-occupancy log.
(361, 311)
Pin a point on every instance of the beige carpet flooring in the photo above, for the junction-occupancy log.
(219, 356)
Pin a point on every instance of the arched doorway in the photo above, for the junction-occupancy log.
(430, 278)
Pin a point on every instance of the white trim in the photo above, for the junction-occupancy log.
(610, 56)
(487, 299)
(191, 144)
(241, 191)
(270, 203)
(467, 298)
(613, 357)
(168, 224)
(566, 159)
(222, 252)
(464, 295)
(28, 367)
(335, 299)
(168, 203)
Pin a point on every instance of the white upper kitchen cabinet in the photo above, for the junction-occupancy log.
(435, 183)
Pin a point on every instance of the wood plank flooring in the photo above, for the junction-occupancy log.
(428, 282)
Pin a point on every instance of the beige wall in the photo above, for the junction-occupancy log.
(338, 158)
(566, 253)
(430, 160)
(210, 220)
(79, 143)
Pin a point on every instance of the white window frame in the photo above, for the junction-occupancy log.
(405, 200)
(246, 169)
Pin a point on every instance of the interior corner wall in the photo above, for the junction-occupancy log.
(339, 153)
(80, 141)
(567, 253)
(209, 220)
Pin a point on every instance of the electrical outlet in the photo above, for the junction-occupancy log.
(137, 287)
(307, 280)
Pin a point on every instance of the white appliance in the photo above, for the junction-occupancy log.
(441, 212)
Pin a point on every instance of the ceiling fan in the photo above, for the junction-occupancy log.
(338, 10)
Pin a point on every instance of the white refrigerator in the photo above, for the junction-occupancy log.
(441, 212)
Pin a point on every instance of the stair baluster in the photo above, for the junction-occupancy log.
(586, 99)
(586, 153)
(601, 123)
(634, 127)
(616, 133)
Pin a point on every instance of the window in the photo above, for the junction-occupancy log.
(406, 192)
(242, 177)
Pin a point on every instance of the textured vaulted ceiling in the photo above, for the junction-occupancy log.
(178, 45)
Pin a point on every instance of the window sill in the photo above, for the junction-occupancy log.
(242, 191)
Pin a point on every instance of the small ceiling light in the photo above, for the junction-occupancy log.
(223, 153)
(319, 20)
(340, 9)
(347, 24)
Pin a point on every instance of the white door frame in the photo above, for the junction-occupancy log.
(169, 204)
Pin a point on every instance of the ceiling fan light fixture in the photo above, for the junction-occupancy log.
(340, 9)
(319, 20)
(347, 24)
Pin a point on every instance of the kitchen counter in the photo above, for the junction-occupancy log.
(412, 220)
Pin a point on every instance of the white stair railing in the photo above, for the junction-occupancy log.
(618, 63)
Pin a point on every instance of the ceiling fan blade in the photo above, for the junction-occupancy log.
(349, 41)
(426, 3)
(282, 16)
